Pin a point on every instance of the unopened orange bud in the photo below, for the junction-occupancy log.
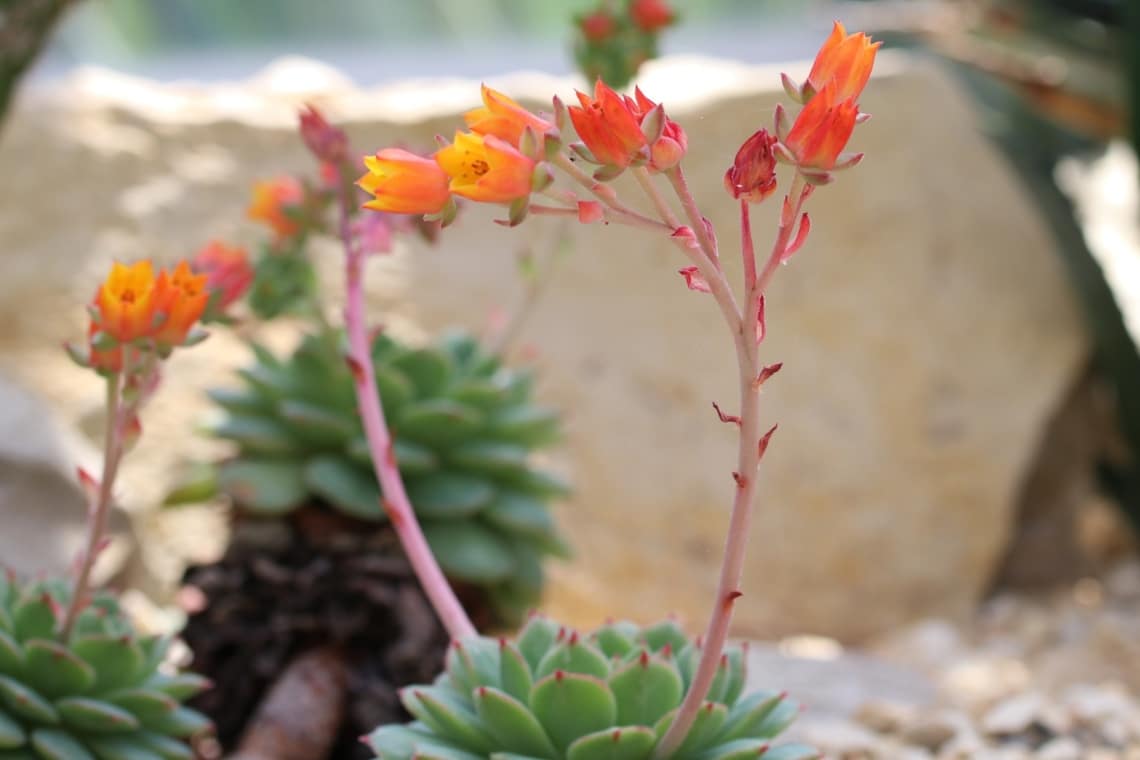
(752, 176)
(668, 143)
(504, 118)
(486, 168)
(272, 200)
(845, 60)
(822, 130)
(404, 183)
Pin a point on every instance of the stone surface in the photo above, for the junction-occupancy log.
(926, 331)
(42, 506)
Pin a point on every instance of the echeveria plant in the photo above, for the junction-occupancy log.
(621, 692)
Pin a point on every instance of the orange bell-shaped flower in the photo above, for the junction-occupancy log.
(845, 60)
(404, 183)
(485, 168)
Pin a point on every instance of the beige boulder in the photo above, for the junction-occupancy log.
(926, 331)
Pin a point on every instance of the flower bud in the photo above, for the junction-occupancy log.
(328, 143)
(752, 176)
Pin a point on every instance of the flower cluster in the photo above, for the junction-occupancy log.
(228, 275)
(137, 309)
(499, 160)
(814, 142)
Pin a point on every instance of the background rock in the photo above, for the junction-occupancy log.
(926, 331)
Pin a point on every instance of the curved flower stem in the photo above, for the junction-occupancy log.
(395, 499)
(749, 453)
(603, 192)
(641, 174)
(614, 216)
(99, 511)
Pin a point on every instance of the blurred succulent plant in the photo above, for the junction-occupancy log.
(553, 693)
(466, 428)
(99, 695)
(614, 39)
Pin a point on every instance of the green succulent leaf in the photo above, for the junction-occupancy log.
(11, 655)
(574, 655)
(536, 638)
(480, 393)
(537, 483)
(529, 425)
(53, 744)
(118, 661)
(514, 673)
(619, 743)
(489, 457)
(181, 687)
(511, 724)
(437, 421)
(646, 690)
(395, 389)
(11, 732)
(710, 719)
(164, 746)
(264, 485)
(520, 513)
(471, 664)
(24, 753)
(256, 435)
(413, 458)
(181, 722)
(737, 675)
(54, 671)
(120, 748)
(349, 487)
(25, 703)
(449, 495)
(469, 551)
(240, 400)
(34, 617)
(427, 368)
(317, 422)
(393, 742)
(149, 706)
(571, 705)
(444, 713)
(747, 717)
(781, 716)
(666, 633)
(95, 715)
(616, 639)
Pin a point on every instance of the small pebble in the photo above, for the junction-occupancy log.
(1013, 715)
(1061, 748)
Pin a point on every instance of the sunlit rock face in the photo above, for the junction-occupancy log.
(926, 330)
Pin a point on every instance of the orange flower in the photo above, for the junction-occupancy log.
(846, 60)
(125, 301)
(651, 15)
(503, 117)
(404, 183)
(272, 199)
(486, 169)
(180, 298)
(227, 269)
(822, 130)
(752, 175)
(608, 126)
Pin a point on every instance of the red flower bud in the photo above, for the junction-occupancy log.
(752, 176)
(326, 142)
(598, 26)
(651, 15)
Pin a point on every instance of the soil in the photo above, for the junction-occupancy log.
(312, 581)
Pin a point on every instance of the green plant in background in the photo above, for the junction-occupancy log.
(616, 37)
(553, 693)
(1057, 79)
(102, 693)
(466, 427)
(25, 27)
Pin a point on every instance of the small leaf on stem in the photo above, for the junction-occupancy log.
(791, 88)
(767, 372)
(734, 419)
(764, 440)
(798, 241)
(761, 326)
(694, 280)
